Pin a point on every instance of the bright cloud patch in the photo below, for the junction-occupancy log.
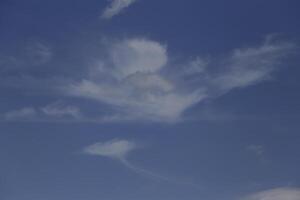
(138, 56)
(135, 84)
(138, 79)
(139, 82)
(116, 7)
(118, 149)
(276, 194)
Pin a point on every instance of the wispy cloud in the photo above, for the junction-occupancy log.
(276, 194)
(54, 111)
(252, 65)
(116, 7)
(115, 149)
(59, 109)
(139, 81)
(120, 150)
(135, 84)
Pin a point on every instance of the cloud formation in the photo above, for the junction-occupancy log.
(138, 80)
(58, 109)
(116, 149)
(135, 84)
(120, 150)
(116, 7)
(53, 111)
(276, 194)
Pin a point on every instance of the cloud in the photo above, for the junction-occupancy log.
(252, 65)
(54, 111)
(120, 150)
(116, 7)
(25, 59)
(138, 80)
(136, 55)
(116, 149)
(135, 84)
(58, 109)
(276, 194)
(22, 114)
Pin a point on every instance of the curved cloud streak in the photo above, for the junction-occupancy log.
(120, 150)
(116, 7)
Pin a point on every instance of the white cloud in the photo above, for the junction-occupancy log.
(138, 79)
(135, 84)
(22, 114)
(54, 111)
(138, 55)
(276, 194)
(120, 150)
(139, 82)
(117, 149)
(251, 65)
(58, 109)
(116, 7)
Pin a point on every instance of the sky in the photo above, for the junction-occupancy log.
(149, 100)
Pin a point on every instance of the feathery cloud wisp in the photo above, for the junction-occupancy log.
(116, 7)
(58, 109)
(138, 80)
(120, 150)
(135, 84)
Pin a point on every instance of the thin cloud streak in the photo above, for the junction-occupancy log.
(115, 8)
(120, 150)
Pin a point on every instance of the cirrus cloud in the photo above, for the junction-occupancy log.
(138, 80)
(116, 7)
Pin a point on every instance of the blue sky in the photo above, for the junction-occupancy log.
(149, 100)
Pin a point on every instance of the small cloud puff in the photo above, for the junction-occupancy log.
(116, 149)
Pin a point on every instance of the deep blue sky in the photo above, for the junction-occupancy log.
(206, 91)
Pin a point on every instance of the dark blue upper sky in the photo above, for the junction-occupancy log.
(149, 100)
